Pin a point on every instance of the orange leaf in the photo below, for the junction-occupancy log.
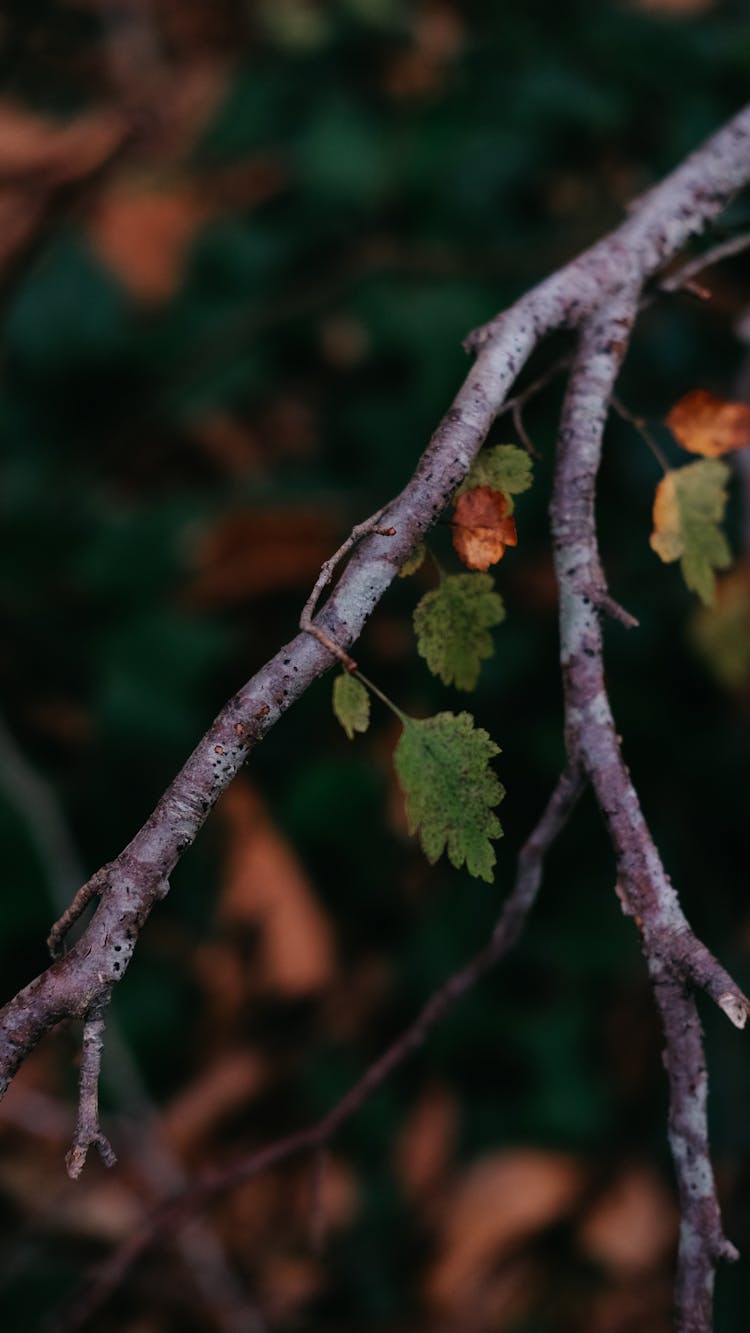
(144, 232)
(482, 528)
(708, 425)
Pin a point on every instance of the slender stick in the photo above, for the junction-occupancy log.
(315, 1138)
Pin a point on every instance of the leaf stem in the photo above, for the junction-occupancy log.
(641, 426)
(402, 717)
(438, 567)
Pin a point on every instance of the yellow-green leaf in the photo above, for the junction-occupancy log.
(688, 508)
(504, 468)
(414, 561)
(443, 767)
(351, 704)
(721, 633)
(452, 625)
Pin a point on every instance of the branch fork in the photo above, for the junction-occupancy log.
(88, 1132)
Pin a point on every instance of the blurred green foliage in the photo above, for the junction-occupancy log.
(425, 175)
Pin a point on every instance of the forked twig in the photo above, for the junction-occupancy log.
(88, 1131)
(327, 571)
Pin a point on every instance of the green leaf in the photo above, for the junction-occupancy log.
(413, 561)
(452, 623)
(450, 789)
(688, 508)
(351, 704)
(504, 468)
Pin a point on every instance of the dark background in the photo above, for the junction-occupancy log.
(228, 348)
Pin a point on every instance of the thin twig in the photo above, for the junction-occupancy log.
(641, 425)
(93, 888)
(318, 1136)
(88, 1131)
(684, 275)
(601, 599)
(524, 437)
(516, 404)
(551, 373)
(306, 623)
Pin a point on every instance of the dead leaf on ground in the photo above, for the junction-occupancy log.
(51, 153)
(426, 1141)
(226, 1085)
(707, 425)
(482, 528)
(253, 551)
(287, 427)
(645, 1306)
(357, 996)
(227, 983)
(143, 233)
(38, 157)
(265, 885)
(287, 1283)
(633, 1226)
(232, 445)
(143, 225)
(327, 1196)
(500, 1202)
(438, 37)
(100, 1207)
(255, 1216)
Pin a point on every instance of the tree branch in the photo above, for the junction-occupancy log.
(88, 1131)
(204, 1261)
(676, 958)
(598, 294)
(318, 1136)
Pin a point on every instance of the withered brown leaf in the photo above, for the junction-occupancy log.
(482, 527)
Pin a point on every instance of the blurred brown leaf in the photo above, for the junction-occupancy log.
(327, 1195)
(232, 445)
(344, 341)
(218, 1090)
(438, 35)
(499, 1202)
(255, 551)
(224, 976)
(99, 1207)
(48, 153)
(142, 227)
(266, 886)
(143, 234)
(642, 1306)
(633, 1226)
(426, 1142)
(287, 1283)
(38, 158)
(357, 996)
(287, 428)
